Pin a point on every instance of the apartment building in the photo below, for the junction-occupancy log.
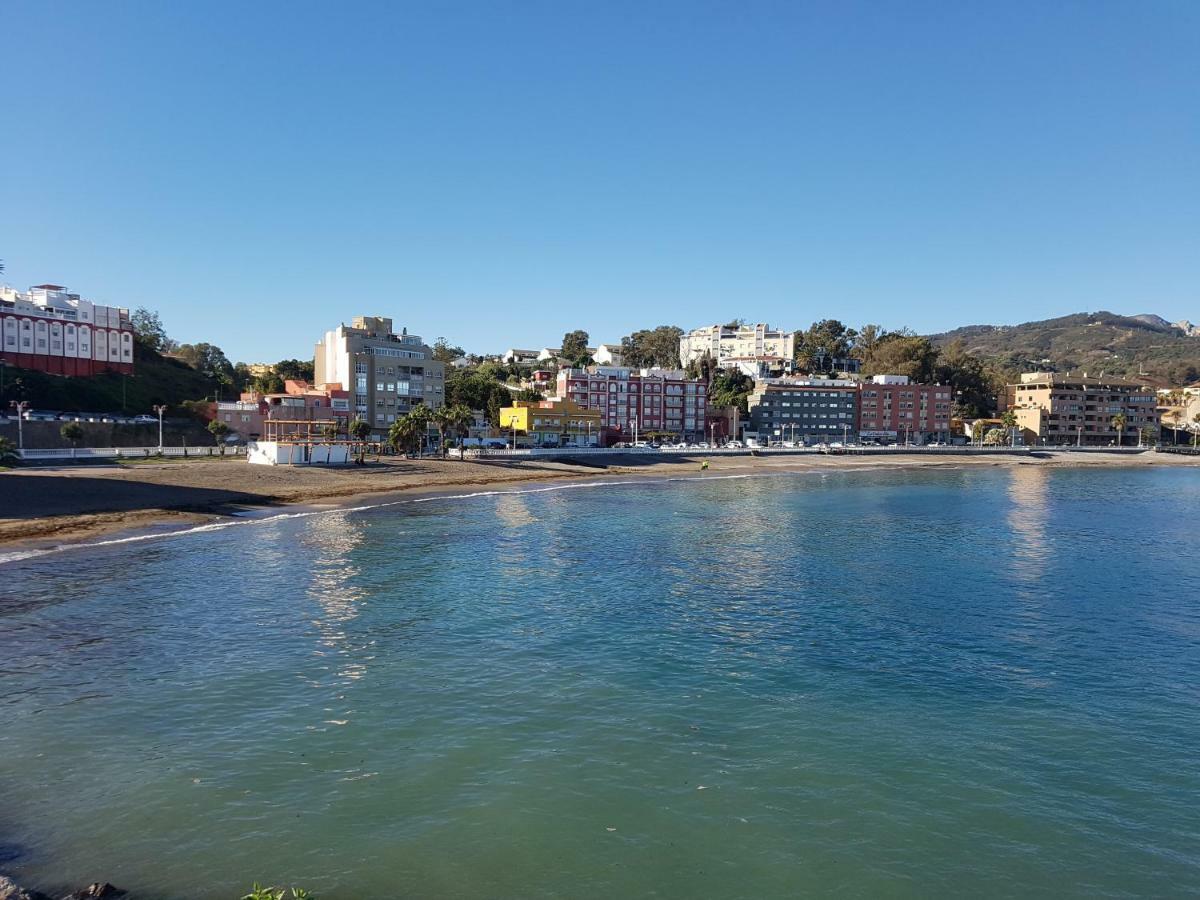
(725, 343)
(890, 408)
(299, 401)
(639, 400)
(804, 410)
(556, 422)
(1054, 408)
(51, 330)
(386, 374)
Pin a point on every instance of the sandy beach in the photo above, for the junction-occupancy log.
(69, 504)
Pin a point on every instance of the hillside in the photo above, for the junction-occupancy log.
(157, 379)
(1124, 346)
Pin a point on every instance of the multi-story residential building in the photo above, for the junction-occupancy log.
(804, 410)
(520, 357)
(1054, 408)
(646, 400)
(386, 374)
(728, 342)
(891, 408)
(555, 422)
(50, 330)
(299, 401)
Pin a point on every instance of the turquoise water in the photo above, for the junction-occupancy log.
(980, 682)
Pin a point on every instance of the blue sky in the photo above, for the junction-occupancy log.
(500, 173)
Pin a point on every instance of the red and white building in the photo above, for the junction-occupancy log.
(890, 408)
(644, 400)
(50, 330)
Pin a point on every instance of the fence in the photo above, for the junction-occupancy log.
(127, 452)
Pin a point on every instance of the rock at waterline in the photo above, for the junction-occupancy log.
(96, 892)
(10, 890)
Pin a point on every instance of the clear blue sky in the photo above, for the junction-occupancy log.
(499, 173)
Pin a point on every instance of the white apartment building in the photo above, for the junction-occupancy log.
(50, 330)
(387, 374)
(725, 343)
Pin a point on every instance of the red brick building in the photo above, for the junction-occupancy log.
(642, 401)
(891, 409)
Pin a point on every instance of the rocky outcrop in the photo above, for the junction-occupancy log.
(97, 891)
(10, 890)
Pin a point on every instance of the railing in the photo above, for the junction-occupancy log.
(128, 452)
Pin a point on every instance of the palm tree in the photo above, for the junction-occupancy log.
(1195, 430)
(1118, 422)
(1009, 420)
(404, 433)
(359, 429)
(422, 415)
(454, 419)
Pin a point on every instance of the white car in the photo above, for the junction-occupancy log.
(735, 445)
(144, 420)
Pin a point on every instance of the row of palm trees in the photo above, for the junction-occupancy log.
(408, 432)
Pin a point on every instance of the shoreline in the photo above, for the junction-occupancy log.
(302, 490)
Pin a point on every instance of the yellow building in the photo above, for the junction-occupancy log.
(556, 422)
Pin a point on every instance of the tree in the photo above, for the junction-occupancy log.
(574, 347)
(994, 436)
(478, 389)
(219, 430)
(1146, 436)
(422, 415)
(977, 432)
(975, 385)
(454, 419)
(825, 342)
(899, 353)
(404, 434)
(865, 340)
(445, 352)
(530, 396)
(149, 331)
(1118, 422)
(1009, 419)
(359, 429)
(8, 452)
(654, 347)
(1195, 430)
(268, 383)
(209, 360)
(730, 388)
(72, 432)
(296, 369)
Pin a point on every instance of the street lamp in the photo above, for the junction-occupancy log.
(160, 410)
(20, 406)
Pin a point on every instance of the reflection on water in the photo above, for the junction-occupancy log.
(1028, 513)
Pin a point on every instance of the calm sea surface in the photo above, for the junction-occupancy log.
(856, 684)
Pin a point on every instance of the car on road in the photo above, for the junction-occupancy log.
(735, 445)
(145, 420)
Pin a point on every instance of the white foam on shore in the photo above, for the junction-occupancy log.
(19, 555)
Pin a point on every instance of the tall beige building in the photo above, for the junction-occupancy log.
(1074, 409)
(386, 373)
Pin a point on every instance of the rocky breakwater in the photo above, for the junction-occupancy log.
(10, 890)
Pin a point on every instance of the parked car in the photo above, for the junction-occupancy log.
(735, 445)
(145, 420)
(40, 415)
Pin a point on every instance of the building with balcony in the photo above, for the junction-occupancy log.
(725, 343)
(386, 374)
(803, 410)
(1053, 408)
(639, 400)
(50, 330)
(890, 408)
(299, 402)
(556, 422)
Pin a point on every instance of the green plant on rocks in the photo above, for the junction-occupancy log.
(258, 892)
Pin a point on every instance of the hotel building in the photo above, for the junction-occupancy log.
(50, 330)
(385, 374)
(891, 409)
(646, 400)
(804, 410)
(1053, 408)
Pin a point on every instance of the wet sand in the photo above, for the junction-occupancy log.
(41, 507)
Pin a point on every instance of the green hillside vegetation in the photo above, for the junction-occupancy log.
(1122, 346)
(156, 380)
